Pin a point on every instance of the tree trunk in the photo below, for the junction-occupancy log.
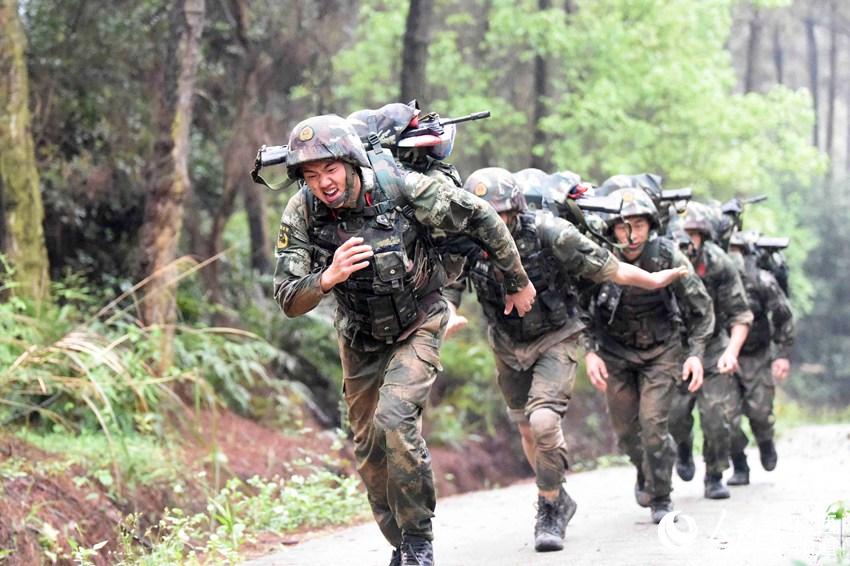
(778, 54)
(751, 77)
(832, 88)
(255, 207)
(414, 57)
(22, 218)
(163, 217)
(812, 47)
(541, 76)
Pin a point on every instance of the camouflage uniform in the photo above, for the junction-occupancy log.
(536, 355)
(638, 334)
(752, 394)
(723, 283)
(389, 357)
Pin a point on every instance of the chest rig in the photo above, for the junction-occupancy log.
(640, 318)
(383, 299)
(554, 305)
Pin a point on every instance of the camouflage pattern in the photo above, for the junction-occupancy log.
(498, 187)
(385, 392)
(533, 183)
(642, 382)
(545, 384)
(386, 385)
(389, 121)
(538, 375)
(324, 137)
(636, 203)
(771, 336)
(698, 217)
(752, 395)
(433, 203)
(723, 282)
(639, 397)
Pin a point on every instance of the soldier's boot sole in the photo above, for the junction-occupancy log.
(716, 490)
(547, 542)
(740, 477)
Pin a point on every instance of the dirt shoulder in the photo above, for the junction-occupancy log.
(779, 518)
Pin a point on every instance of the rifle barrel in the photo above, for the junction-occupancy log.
(468, 118)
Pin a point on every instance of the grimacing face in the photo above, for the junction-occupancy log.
(640, 226)
(327, 180)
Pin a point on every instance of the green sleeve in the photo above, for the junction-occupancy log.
(441, 205)
(695, 306)
(296, 279)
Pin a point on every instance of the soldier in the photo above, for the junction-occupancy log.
(763, 359)
(732, 321)
(536, 355)
(359, 227)
(634, 347)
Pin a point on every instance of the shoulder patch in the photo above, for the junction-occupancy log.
(283, 237)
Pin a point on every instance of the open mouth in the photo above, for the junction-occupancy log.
(332, 194)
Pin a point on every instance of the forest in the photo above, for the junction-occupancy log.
(156, 406)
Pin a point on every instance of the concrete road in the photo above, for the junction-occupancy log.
(778, 519)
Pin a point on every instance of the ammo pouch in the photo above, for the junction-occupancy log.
(394, 306)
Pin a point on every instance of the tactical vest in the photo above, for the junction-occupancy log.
(383, 299)
(554, 304)
(640, 318)
(758, 338)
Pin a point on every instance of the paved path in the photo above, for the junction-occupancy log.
(779, 518)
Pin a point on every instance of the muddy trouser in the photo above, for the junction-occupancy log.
(712, 399)
(385, 392)
(540, 396)
(752, 395)
(639, 397)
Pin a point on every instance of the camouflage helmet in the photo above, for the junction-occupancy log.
(615, 183)
(498, 187)
(324, 137)
(388, 121)
(636, 203)
(534, 185)
(698, 218)
(561, 183)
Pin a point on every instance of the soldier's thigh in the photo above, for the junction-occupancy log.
(553, 378)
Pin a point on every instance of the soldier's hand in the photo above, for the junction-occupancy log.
(728, 362)
(351, 256)
(597, 371)
(666, 276)
(692, 369)
(522, 300)
(456, 321)
(780, 368)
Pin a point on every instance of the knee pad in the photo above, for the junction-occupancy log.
(546, 428)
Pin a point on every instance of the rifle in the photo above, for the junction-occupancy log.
(270, 155)
(432, 125)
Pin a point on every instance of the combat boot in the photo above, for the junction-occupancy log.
(741, 471)
(552, 519)
(416, 551)
(396, 558)
(660, 507)
(768, 455)
(642, 497)
(714, 488)
(685, 461)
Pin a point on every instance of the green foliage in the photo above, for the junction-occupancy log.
(241, 511)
